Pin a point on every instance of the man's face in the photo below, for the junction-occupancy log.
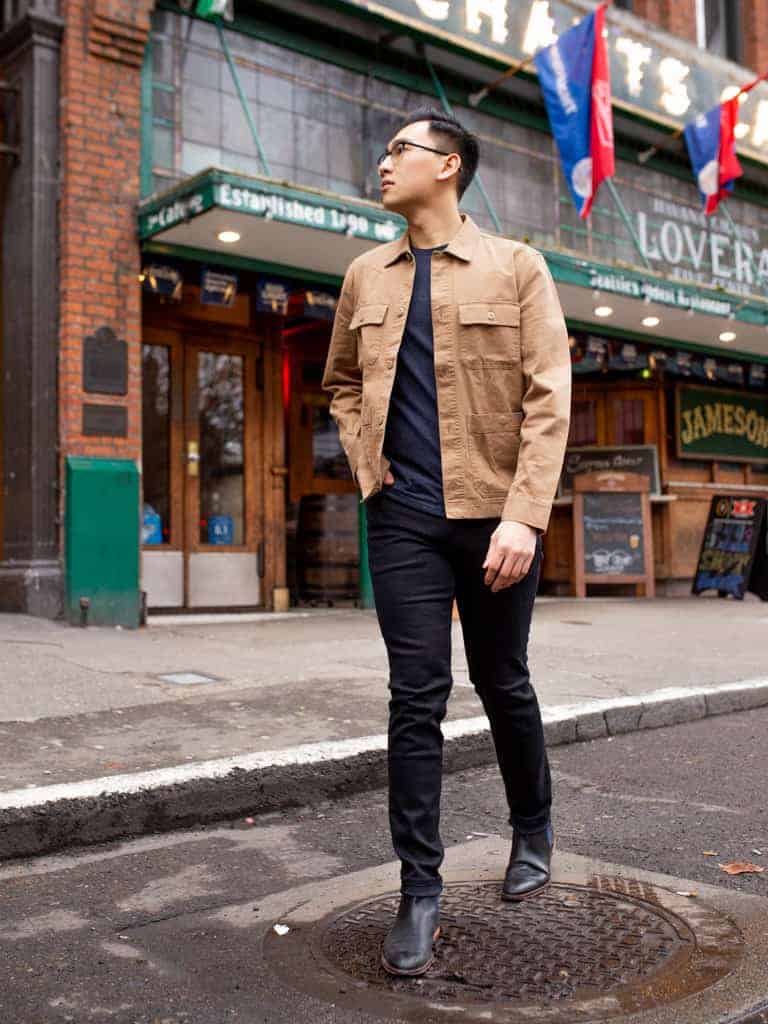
(409, 175)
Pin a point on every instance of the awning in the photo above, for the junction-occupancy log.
(314, 231)
(276, 223)
(694, 316)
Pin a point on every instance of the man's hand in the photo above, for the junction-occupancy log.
(388, 478)
(510, 554)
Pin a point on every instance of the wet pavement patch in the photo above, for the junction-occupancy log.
(188, 678)
(601, 943)
(575, 952)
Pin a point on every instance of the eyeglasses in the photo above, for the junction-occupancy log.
(399, 148)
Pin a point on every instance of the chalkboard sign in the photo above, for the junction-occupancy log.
(627, 458)
(613, 533)
(612, 530)
(733, 556)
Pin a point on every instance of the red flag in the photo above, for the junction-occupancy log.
(601, 120)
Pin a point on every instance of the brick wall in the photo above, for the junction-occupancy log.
(675, 16)
(100, 151)
(754, 22)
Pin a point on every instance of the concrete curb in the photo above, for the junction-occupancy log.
(44, 819)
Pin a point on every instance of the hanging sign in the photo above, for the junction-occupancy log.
(162, 279)
(715, 423)
(272, 296)
(217, 288)
(321, 305)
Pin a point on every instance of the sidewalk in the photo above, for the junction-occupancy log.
(91, 704)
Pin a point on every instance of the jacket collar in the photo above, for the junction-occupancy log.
(462, 245)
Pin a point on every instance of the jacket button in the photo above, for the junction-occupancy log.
(401, 311)
(390, 361)
(491, 315)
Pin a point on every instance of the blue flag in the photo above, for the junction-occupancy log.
(574, 77)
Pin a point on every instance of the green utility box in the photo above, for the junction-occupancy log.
(102, 542)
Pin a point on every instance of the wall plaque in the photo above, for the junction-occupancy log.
(105, 421)
(105, 363)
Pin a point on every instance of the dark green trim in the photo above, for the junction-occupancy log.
(183, 252)
(203, 191)
(571, 268)
(662, 341)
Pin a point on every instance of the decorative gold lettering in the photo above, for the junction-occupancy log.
(699, 426)
(686, 434)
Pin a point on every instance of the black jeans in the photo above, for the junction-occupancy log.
(419, 563)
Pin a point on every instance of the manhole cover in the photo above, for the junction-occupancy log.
(576, 952)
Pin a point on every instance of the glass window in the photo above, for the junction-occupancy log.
(328, 458)
(583, 423)
(156, 444)
(222, 427)
(628, 421)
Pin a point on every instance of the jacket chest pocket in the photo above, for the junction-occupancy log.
(489, 332)
(368, 321)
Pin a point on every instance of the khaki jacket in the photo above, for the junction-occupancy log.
(502, 371)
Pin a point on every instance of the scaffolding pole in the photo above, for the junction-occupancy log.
(447, 108)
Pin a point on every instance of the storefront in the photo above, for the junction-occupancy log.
(258, 171)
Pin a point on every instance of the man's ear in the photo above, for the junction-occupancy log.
(454, 166)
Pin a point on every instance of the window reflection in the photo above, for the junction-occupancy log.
(156, 444)
(221, 425)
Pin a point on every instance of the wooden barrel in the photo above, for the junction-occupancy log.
(327, 548)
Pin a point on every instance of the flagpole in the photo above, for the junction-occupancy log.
(627, 221)
(476, 98)
(448, 109)
(646, 155)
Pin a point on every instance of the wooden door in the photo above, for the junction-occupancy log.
(223, 505)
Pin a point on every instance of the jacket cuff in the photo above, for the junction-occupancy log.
(527, 510)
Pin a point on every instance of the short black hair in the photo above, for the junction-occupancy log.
(452, 134)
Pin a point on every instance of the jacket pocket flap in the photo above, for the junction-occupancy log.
(493, 422)
(373, 314)
(505, 314)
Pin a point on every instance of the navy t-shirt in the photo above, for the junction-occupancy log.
(412, 435)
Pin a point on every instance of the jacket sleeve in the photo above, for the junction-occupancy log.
(342, 376)
(546, 368)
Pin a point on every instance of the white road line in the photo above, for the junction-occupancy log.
(330, 750)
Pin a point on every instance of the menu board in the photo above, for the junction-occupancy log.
(613, 533)
(734, 549)
(612, 540)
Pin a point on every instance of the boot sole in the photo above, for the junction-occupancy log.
(526, 895)
(415, 970)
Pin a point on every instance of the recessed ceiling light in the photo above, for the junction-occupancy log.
(228, 236)
(603, 310)
(650, 321)
(727, 336)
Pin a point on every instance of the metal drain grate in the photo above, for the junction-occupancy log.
(567, 939)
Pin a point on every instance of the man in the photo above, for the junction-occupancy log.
(450, 380)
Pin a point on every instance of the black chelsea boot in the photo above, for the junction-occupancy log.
(408, 945)
(528, 871)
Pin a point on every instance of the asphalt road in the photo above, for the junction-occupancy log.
(111, 933)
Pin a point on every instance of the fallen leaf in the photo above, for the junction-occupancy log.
(709, 853)
(737, 867)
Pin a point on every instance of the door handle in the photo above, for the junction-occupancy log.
(193, 458)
